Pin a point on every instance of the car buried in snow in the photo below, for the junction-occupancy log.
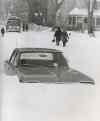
(42, 65)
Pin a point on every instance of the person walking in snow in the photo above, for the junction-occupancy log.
(26, 27)
(2, 31)
(65, 37)
(23, 26)
(57, 36)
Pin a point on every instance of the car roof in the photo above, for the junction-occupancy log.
(37, 50)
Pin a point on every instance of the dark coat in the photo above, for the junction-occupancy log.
(58, 34)
(26, 27)
(65, 36)
(23, 27)
(2, 30)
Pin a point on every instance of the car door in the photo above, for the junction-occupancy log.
(11, 64)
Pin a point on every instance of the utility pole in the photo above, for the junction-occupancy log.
(91, 7)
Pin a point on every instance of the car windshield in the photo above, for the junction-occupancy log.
(13, 22)
(37, 59)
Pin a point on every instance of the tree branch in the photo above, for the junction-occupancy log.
(58, 4)
(29, 4)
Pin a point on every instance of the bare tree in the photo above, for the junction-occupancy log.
(91, 7)
(53, 7)
(36, 5)
(21, 9)
(30, 4)
(81, 3)
(58, 4)
(4, 9)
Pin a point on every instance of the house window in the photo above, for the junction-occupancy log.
(74, 20)
(80, 19)
(97, 21)
(70, 20)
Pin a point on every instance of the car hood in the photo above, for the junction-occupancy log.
(73, 75)
(61, 75)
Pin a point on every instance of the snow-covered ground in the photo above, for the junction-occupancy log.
(53, 102)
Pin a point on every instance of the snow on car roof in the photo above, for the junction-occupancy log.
(37, 56)
(37, 49)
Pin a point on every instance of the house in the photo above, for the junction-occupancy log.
(78, 18)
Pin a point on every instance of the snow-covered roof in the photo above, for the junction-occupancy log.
(83, 12)
(77, 11)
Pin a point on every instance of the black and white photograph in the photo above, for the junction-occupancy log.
(49, 60)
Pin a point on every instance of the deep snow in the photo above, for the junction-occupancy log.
(54, 102)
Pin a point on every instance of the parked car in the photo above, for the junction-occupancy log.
(35, 65)
(13, 24)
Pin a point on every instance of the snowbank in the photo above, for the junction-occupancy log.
(35, 27)
(69, 102)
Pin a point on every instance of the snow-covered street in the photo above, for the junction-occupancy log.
(81, 51)
(52, 102)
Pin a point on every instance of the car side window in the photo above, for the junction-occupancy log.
(15, 60)
(13, 57)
